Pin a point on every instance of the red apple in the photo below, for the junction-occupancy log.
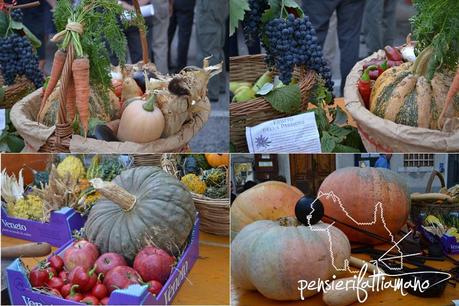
(121, 277)
(153, 264)
(108, 261)
(82, 253)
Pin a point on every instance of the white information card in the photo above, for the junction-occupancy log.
(295, 134)
(2, 119)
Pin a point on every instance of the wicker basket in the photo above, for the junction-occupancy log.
(60, 138)
(13, 93)
(382, 135)
(249, 68)
(430, 207)
(213, 213)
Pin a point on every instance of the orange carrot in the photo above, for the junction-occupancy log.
(80, 69)
(56, 71)
(70, 104)
(453, 90)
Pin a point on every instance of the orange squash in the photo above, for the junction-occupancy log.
(265, 201)
(217, 160)
(360, 190)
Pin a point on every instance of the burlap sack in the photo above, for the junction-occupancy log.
(381, 135)
(23, 116)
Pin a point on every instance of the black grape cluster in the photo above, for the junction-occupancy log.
(17, 15)
(252, 19)
(17, 58)
(293, 41)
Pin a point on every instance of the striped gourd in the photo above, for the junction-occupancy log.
(409, 98)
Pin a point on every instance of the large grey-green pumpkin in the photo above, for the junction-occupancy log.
(151, 207)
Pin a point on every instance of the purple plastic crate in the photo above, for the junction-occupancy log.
(449, 244)
(21, 292)
(56, 232)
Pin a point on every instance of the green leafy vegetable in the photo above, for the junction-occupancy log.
(436, 25)
(102, 34)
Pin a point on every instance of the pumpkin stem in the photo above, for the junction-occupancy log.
(422, 61)
(115, 193)
(150, 105)
(288, 221)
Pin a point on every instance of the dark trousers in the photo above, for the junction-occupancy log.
(349, 14)
(134, 44)
(182, 17)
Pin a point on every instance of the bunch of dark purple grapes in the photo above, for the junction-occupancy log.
(293, 41)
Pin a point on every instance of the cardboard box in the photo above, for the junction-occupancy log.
(21, 292)
(57, 232)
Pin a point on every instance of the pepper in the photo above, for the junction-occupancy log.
(364, 86)
(393, 54)
(374, 74)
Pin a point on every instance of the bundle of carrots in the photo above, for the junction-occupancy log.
(453, 91)
(74, 85)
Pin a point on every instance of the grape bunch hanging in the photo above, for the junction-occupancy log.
(252, 19)
(289, 41)
(17, 57)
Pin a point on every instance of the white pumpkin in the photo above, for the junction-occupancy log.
(272, 256)
(141, 121)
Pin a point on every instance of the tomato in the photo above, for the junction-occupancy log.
(154, 287)
(51, 272)
(56, 262)
(65, 290)
(104, 301)
(90, 300)
(64, 275)
(55, 282)
(118, 87)
(86, 280)
(99, 291)
(73, 295)
(38, 277)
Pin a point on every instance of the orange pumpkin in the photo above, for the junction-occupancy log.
(265, 201)
(217, 160)
(360, 190)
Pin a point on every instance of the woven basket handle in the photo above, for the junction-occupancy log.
(143, 35)
(431, 179)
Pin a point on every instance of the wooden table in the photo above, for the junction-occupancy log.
(240, 297)
(208, 281)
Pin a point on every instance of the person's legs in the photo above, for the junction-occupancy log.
(389, 22)
(349, 13)
(319, 13)
(134, 46)
(211, 16)
(185, 23)
(372, 24)
(171, 33)
(160, 35)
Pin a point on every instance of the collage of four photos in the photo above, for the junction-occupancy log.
(229, 152)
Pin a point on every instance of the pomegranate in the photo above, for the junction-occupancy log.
(108, 261)
(153, 264)
(121, 277)
(82, 253)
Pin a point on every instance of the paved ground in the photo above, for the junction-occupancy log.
(214, 137)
